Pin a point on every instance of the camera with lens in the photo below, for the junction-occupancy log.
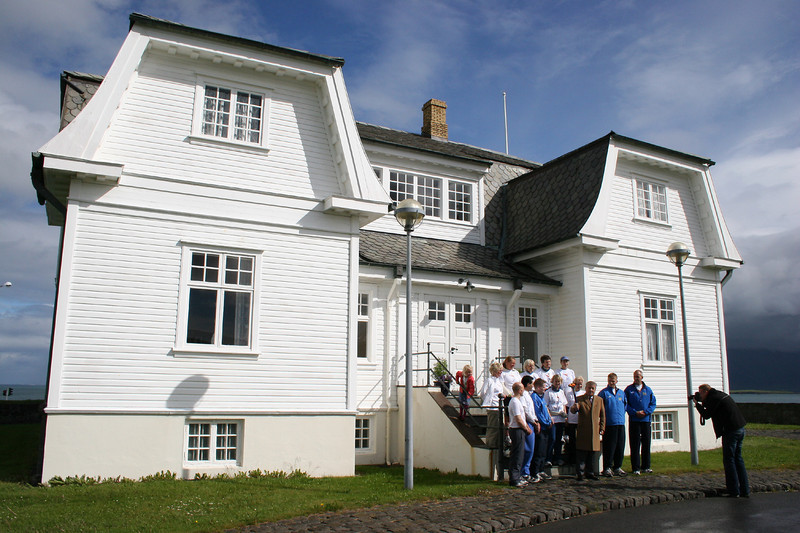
(697, 397)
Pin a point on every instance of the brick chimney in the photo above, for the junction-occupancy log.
(434, 119)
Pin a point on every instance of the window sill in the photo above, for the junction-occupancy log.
(660, 364)
(213, 351)
(219, 142)
(652, 222)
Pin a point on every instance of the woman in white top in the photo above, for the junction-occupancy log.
(556, 402)
(490, 394)
(572, 392)
(528, 368)
(510, 374)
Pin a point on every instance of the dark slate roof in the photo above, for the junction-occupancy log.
(404, 139)
(552, 203)
(77, 89)
(138, 18)
(462, 259)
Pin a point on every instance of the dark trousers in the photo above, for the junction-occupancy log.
(556, 446)
(572, 433)
(639, 434)
(735, 472)
(540, 449)
(517, 454)
(613, 447)
(587, 462)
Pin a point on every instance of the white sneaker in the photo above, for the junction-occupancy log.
(608, 473)
(536, 479)
(648, 470)
(619, 472)
(636, 473)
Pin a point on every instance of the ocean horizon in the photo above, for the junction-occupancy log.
(23, 392)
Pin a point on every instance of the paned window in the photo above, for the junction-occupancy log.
(429, 191)
(212, 442)
(220, 299)
(232, 114)
(362, 433)
(459, 201)
(363, 325)
(527, 317)
(651, 201)
(662, 426)
(436, 311)
(659, 329)
(463, 312)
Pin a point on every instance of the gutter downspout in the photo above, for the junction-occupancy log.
(722, 335)
(387, 387)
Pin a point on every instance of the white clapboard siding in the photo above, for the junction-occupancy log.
(123, 306)
(616, 331)
(150, 129)
(430, 228)
(684, 221)
(566, 335)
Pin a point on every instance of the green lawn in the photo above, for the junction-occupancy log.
(216, 504)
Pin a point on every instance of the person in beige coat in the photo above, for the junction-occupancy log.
(591, 425)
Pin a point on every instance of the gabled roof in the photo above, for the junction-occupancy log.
(434, 255)
(138, 18)
(552, 203)
(404, 139)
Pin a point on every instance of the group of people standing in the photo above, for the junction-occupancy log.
(552, 420)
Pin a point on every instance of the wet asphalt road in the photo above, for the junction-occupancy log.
(763, 512)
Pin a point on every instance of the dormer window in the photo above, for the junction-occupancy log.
(429, 191)
(651, 201)
(230, 114)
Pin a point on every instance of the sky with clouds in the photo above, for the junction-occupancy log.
(719, 79)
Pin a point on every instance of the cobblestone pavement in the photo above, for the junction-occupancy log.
(516, 508)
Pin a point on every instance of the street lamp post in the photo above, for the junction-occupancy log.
(678, 253)
(409, 213)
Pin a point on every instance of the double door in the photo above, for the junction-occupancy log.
(448, 324)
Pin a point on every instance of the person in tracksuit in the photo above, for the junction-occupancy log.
(614, 436)
(641, 404)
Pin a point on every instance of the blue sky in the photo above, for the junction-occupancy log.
(719, 79)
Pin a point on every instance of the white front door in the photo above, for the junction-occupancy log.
(448, 324)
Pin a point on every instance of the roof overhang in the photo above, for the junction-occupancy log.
(719, 263)
(589, 242)
(366, 210)
(82, 169)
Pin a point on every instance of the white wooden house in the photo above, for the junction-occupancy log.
(231, 291)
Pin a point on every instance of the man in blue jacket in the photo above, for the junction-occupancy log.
(614, 436)
(641, 404)
(545, 436)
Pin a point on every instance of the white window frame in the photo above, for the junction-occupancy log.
(659, 321)
(182, 347)
(657, 427)
(213, 444)
(436, 207)
(650, 185)
(359, 435)
(235, 88)
(368, 319)
(437, 312)
(530, 324)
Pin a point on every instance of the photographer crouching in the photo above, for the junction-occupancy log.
(729, 424)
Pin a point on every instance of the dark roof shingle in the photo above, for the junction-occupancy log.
(463, 259)
(552, 203)
(404, 139)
